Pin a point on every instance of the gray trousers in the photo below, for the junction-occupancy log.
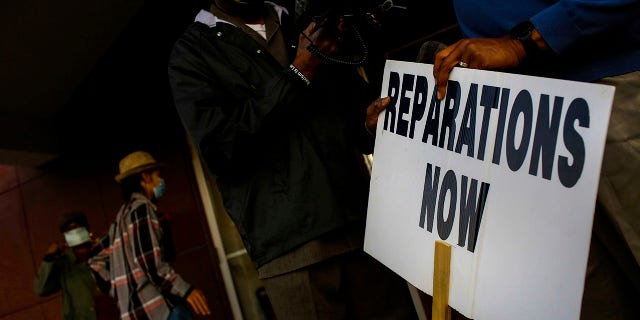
(349, 286)
(612, 285)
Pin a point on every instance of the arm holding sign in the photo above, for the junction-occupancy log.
(569, 32)
(592, 41)
(483, 53)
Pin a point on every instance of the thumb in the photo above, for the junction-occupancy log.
(377, 106)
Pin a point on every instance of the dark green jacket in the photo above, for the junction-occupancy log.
(287, 158)
(76, 282)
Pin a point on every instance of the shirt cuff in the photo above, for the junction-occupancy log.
(180, 288)
(557, 27)
(298, 74)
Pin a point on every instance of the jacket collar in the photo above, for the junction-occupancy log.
(137, 196)
(210, 20)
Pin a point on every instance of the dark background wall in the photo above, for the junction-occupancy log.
(90, 75)
(112, 99)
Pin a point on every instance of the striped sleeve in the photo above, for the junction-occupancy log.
(100, 256)
(146, 233)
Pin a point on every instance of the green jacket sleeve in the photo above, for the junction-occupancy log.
(47, 280)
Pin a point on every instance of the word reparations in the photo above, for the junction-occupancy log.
(515, 133)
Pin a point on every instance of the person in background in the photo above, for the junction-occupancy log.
(284, 133)
(593, 41)
(144, 285)
(64, 268)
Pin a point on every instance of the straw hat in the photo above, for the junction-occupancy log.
(136, 162)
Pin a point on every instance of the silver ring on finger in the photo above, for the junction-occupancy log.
(463, 64)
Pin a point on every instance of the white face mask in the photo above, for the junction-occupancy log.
(77, 236)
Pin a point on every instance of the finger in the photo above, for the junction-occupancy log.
(377, 106)
(199, 304)
(446, 65)
(205, 309)
(440, 56)
(198, 309)
(204, 306)
(381, 104)
(194, 305)
(313, 30)
(306, 37)
(52, 249)
(310, 27)
(341, 25)
(439, 72)
(374, 110)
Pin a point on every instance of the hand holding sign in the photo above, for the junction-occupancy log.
(505, 169)
(373, 112)
(485, 54)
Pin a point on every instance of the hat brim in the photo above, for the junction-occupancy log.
(139, 169)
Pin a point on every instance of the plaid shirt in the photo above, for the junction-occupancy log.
(132, 259)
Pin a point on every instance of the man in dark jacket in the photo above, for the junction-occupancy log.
(284, 140)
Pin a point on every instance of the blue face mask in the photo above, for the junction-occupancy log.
(158, 191)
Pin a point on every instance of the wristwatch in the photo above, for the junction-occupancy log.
(522, 32)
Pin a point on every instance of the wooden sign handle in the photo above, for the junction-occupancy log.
(441, 271)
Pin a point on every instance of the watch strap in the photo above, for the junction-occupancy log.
(522, 32)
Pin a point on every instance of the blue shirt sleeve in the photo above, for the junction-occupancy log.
(570, 22)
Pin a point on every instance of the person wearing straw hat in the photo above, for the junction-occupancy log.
(144, 284)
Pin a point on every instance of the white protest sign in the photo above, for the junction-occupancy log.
(505, 169)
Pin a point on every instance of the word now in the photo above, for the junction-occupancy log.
(469, 214)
